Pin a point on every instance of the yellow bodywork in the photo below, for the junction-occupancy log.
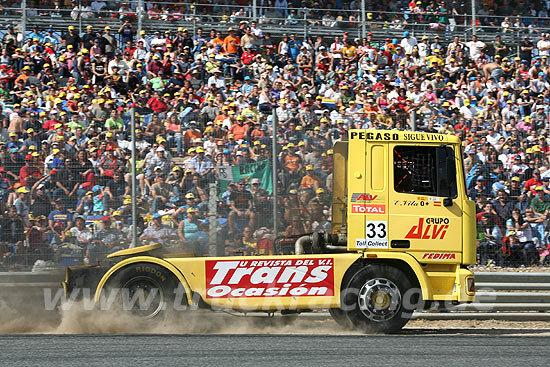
(432, 241)
(437, 282)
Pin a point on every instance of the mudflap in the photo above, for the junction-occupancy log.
(82, 281)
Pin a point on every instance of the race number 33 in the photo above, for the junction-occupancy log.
(376, 235)
(376, 230)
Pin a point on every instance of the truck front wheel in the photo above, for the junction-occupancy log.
(374, 299)
(146, 291)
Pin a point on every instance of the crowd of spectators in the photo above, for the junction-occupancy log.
(206, 100)
(505, 16)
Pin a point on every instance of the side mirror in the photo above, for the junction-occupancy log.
(447, 202)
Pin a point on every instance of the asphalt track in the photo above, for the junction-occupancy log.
(31, 336)
(412, 348)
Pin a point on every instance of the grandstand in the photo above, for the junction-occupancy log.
(205, 85)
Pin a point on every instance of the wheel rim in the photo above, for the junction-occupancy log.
(379, 299)
(150, 303)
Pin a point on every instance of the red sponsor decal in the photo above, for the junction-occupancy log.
(361, 198)
(368, 208)
(438, 256)
(433, 229)
(269, 278)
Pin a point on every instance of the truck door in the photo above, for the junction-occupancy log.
(425, 206)
(368, 196)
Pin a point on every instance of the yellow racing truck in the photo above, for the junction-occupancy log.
(402, 236)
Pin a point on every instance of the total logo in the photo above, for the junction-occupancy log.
(429, 229)
(368, 209)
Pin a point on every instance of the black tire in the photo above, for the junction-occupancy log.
(341, 317)
(374, 299)
(147, 291)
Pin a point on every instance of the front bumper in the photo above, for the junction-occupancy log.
(465, 285)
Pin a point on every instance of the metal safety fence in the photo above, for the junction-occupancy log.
(79, 214)
(205, 194)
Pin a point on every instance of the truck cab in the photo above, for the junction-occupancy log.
(405, 192)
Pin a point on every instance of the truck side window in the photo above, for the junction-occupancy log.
(415, 170)
(424, 170)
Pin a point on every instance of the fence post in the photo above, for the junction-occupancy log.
(194, 18)
(274, 166)
(254, 10)
(363, 20)
(139, 17)
(518, 42)
(134, 183)
(413, 120)
(305, 22)
(474, 17)
(79, 17)
(24, 19)
(212, 221)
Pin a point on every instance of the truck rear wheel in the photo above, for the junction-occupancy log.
(147, 291)
(374, 299)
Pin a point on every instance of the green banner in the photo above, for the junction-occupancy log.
(260, 169)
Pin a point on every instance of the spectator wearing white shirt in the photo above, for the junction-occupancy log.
(493, 137)
(475, 47)
(336, 50)
(544, 45)
(467, 111)
(256, 31)
(141, 53)
(158, 42)
(118, 61)
(216, 80)
(288, 94)
(408, 42)
(145, 41)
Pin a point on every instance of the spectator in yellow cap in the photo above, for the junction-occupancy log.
(310, 182)
(190, 231)
(71, 38)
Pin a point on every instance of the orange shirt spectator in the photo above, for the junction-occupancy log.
(218, 43)
(257, 134)
(310, 182)
(22, 77)
(190, 135)
(238, 131)
(292, 163)
(231, 43)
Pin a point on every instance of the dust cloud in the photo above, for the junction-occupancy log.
(23, 312)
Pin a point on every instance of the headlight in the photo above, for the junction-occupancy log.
(470, 285)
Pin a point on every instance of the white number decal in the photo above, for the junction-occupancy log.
(376, 230)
